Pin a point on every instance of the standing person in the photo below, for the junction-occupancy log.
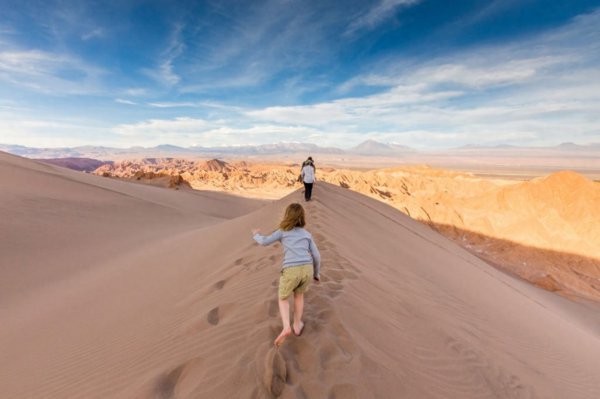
(301, 264)
(308, 177)
(309, 161)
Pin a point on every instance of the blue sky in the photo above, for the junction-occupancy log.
(423, 73)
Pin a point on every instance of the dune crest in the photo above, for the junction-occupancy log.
(546, 229)
(190, 310)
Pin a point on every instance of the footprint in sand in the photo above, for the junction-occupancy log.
(334, 286)
(165, 386)
(275, 372)
(238, 261)
(300, 393)
(343, 391)
(327, 354)
(347, 266)
(324, 315)
(319, 302)
(273, 308)
(213, 316)
(349, 275)
(181, 380)
(335, 275)
(220, 284)
(261, 265)
(333, 294)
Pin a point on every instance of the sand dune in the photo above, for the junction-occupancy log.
(80, 164)
(181, 303)
(546, 230)
(57, 219)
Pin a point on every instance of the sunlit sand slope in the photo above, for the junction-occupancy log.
(191, 312)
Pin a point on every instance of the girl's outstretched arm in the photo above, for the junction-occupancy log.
(266, 240)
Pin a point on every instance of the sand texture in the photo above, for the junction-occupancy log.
(112, 289)
(545, 230)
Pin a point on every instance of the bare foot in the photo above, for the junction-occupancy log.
(298, 328)
(281, 338)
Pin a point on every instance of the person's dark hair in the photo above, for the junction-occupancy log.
(294, 217)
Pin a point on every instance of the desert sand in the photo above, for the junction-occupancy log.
(112, 289)
(545, 230)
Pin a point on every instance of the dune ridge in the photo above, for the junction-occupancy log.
(401, 311)
(495, 219)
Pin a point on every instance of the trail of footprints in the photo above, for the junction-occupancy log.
(325, 347)
(304, 366)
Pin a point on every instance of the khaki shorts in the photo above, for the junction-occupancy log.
(295, 279)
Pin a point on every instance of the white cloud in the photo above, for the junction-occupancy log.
(48, 132)
(480, 69)
(352, 110)
(122, 101)
(193, 131)
(274, 38)
(487, 74)
(162, 127)
(12, 106)
(48, 72)
(173, 104)
(164, 73)
(92, 34)
(378, 13)
(544, 90)
(135, 92)
(261, 134)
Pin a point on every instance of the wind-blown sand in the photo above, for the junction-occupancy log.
(113, 289)
(545, 230)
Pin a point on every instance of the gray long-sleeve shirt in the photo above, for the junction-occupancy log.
(299, 248)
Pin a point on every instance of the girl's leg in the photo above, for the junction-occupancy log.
(298, 309)
(284, 309)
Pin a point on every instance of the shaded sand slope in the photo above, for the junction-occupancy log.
(55, 221)
(401, 312)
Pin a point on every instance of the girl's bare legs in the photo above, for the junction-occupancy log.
(298, 309)
(284, 309)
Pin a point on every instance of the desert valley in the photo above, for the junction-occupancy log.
(545, 230)
(140, 280)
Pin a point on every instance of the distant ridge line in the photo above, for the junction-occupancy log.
(367, 148)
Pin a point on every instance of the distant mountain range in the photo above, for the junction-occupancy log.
(366, 148)
(369, 147)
